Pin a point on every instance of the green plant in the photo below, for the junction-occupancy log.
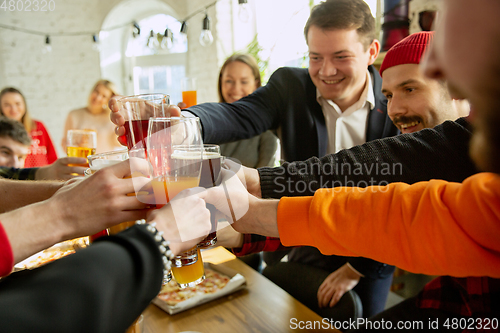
(254, 48)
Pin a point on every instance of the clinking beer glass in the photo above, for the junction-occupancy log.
(210, 177)
(100, 161)
(137, 110)
(174, 151)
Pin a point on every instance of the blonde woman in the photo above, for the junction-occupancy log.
(95, 116)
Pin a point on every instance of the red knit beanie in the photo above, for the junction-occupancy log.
(408, 50)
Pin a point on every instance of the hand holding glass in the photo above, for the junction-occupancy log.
(174, 150)
(136, 110)
(210, 177)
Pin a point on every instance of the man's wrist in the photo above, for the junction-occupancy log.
(40, 173)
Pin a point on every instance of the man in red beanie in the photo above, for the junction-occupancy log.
(415, 102)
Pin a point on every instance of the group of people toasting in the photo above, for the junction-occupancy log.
(439, 215)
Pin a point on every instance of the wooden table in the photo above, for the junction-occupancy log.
(261, 307)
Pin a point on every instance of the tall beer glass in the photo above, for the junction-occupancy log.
(136, 111)
(98, 162)
(102, 160)
(210, 177)
(175, 150)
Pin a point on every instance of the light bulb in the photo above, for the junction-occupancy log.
(153, 41)
(182, 37)
(167, 40)
(136, 30)
(244, 11)
(96, 46)
(47, 47)
(166, 43)
(206, 38)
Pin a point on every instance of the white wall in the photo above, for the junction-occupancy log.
(60, 81)
(57, 82)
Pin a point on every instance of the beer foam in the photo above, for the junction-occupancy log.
(210, 154)
(100, 163)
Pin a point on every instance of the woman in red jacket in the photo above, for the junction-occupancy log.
(42, 151)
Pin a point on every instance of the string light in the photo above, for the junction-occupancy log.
(167, 40)
(183, 33)
(47, 48)
(206, 38)
(244, 11)
(136, 30)
(95, 45)
(153, 43)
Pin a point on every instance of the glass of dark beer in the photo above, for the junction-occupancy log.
(137, 110)
(210, 177)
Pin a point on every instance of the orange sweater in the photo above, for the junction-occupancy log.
(435, 227)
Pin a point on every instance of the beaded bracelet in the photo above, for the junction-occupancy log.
(163, 245)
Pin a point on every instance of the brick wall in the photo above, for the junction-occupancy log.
(60, 81)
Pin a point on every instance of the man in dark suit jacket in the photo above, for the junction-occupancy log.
(342, 45)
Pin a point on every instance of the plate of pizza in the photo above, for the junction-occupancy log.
(54, 252)
(218, 282)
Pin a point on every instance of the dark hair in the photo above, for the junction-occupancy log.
(26, 119)
(344, 15)
(10, 128)
(247, 59)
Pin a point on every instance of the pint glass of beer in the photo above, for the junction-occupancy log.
(210, 177)
(187, 268)
(136, 111)
(100, 161)
(81, 143)
(175, 152)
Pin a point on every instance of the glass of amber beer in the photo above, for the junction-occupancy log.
(81, 143)
(210, 177)
(175, 152)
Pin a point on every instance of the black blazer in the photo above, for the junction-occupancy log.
(288, 104)
(102, 288)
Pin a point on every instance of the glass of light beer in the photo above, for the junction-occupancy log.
(175, 152)
(81, 143)
(102, 160)
(98, 162)
(136, 110)
(210, 177)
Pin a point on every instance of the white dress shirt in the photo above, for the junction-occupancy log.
(347, 129)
